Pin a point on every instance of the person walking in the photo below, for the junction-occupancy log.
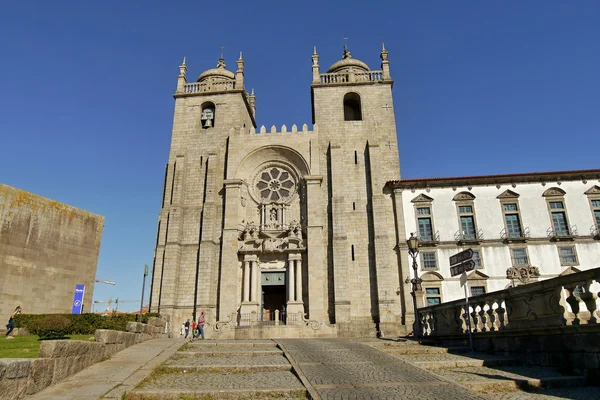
(11, 321)
(182, 330)
(194, 329)
(187, 328)
(201, 323)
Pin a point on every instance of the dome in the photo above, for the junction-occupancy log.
(219, 71)
(348, 62)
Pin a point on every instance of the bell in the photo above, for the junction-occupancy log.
(207, 123)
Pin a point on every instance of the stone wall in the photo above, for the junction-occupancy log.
(61, 358)
(46, 248)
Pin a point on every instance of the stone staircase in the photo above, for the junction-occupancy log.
(223, 369)
(493, 377)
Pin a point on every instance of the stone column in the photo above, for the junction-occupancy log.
(254, 290)
(291, 280)
(246, 280)
(298, 280)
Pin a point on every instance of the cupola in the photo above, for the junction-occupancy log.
(348, 63)
(217, 74)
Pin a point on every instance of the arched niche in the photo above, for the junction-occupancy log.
(352, 107)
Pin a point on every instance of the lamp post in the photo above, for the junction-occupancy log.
(413, 251)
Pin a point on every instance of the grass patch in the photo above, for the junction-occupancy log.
(27, 346)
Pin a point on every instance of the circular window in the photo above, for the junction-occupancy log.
(274, 184)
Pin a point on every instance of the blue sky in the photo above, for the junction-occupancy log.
(86, 92)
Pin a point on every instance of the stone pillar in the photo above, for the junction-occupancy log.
(246, 281)
(291, 280)
(298, 280)
(404, 262)
(317, 276)
(254, 290)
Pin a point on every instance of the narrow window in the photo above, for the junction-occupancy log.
(207, 118)
(513, 222)
(353, 206)
(355, 157)
(519, 257)
(352, 252)
(467, 222)
(425, 226)
(429, 260)
(477, 259)
(352, 109)
(477, 290)
(433, 296)
(559, 218)
(567, 255)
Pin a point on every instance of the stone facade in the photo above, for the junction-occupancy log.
(310, 222)
(46, 248)
(294, 218)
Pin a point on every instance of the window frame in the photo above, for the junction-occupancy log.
(423, 201)
(473, 214)
(513, 258)
(553, 195)
(560, 258)
(437, 295)
(593, 194)
(503, 203)
(478, 286)
(479, 251)
(422, 256)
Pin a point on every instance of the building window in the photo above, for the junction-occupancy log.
(425, 226)
(433, 296)
(352, 108)
(519, 256)
(558, 211)
(477, 290)
(567, 255)
(467, 222)
(596, 210)
(477, 259)
(207, 118)
(428, 260)
(512, 220)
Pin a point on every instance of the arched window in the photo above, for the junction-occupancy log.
(352, 109)
(207, 118)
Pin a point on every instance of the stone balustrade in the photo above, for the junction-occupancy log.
(202, 87)
(570, 300)
(351, 77)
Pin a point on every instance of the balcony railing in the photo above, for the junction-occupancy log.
(563, 301)
(351, 77)
(564, 233)
(431, 238)
(521, 235)
(467, 237)
(201, 87)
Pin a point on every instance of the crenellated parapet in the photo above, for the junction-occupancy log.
(262, 132)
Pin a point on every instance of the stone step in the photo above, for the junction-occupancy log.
(509, 378)
(446, 360)
(241, 343)
(230, 369)
(248, 360)
(171, 384)
(215, 352)
(427, 350)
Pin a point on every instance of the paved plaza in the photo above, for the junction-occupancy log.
(312, 368)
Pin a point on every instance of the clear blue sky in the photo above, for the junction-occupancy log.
(481, 87)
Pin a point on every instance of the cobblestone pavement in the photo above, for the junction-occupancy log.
(340, 369)
(578, 393)
(193, 381)
(240, 360)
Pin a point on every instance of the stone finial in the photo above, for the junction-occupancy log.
(252, 100)
(385, 64)
(315, 66)
(239, 74)
(181, 79)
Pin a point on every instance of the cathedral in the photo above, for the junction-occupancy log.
(301, 231)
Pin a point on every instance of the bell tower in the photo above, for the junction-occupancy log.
(353, 107)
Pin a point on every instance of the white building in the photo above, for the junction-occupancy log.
(517, 225)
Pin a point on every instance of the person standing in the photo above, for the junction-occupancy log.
(194, 329)
(201, 323)
(187, 328)
(11, 321)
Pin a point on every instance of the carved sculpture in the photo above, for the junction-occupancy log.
(522, 273)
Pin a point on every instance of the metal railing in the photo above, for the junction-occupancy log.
(461, 236)
(566, 232)
(522, 234)
(429, 238)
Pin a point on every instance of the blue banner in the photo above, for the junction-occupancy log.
(78, 299)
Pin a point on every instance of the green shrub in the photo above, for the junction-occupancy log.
(82, 324)
(53, 327)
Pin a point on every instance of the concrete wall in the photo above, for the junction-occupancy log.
(46, 248)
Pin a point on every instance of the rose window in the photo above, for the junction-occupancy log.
(274, 184)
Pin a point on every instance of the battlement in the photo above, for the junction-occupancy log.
(273, 131)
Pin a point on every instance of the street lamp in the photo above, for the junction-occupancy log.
(413, 251)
